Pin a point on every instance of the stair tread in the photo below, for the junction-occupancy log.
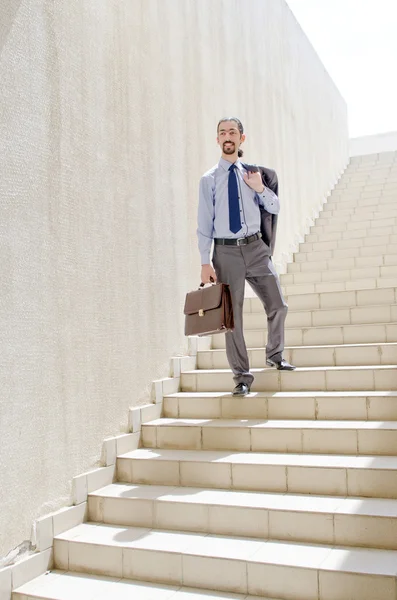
(272, 424)
(295, 291)
(290, 554)
(376, 507)
(310, 329)
(265, 458)
(312, 347)
(62, 585)
(314, 327)
(297, 395)
(319, 273)
(321, 368)
(328, 308)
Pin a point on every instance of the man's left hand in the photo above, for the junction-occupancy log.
(254, 180)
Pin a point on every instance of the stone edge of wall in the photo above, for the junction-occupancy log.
(46, 528)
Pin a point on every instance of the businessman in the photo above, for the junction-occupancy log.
(229, 215)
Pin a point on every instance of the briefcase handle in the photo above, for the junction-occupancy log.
(203, 284)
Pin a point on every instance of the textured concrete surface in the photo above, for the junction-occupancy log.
(107, 120)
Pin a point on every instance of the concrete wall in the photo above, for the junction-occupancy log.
(107, 120)
(373, 144)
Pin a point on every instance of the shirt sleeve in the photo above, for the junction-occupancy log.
(269, 201)
(206, 215)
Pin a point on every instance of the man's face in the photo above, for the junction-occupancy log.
(229, 137)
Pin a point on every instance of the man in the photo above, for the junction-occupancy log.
(229, 214)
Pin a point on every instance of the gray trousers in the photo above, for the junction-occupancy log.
(234, 265)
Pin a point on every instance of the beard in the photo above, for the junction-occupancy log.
(229, 148)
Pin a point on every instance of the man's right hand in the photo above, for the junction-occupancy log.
(207, 272)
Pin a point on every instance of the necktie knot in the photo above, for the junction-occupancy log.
(232, 167)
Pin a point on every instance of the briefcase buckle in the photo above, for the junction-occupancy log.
(201, 313)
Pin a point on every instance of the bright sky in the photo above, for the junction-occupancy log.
(357, 42)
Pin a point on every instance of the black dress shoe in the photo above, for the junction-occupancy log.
(241, 389)
(282, 365)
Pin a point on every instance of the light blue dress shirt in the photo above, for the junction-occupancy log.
(213, 209)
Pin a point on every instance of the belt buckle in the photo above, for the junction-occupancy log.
(240, 241)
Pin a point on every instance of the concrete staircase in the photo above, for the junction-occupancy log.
(291, 492)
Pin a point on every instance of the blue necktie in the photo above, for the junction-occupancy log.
(234, 205)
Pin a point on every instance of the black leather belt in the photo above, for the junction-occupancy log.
(238, 241)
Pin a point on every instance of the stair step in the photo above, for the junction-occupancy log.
(344, 274)
(354, 215)
(363, 196)
(235, 564)
(290, 291)
(362, 314)
(362, 190)
(310, 356)
(382, 250)
(335, 264)
(331, 379)
(336, 475)
(318, 235)
(362, 228)
(377, 241)
(347, 220)
(62, 585)
(306, 297)
(289, 436)
(353, 279)
(314, 519)
(326, 335)
(372, 406)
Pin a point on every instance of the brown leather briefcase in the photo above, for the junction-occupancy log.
(209, 310)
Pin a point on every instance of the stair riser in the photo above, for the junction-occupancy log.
(329, 210)
(383, 275)
(348, 334)
(346, 226)
(348, 298)
(362, 204)
(317, 235)
(272, 380)
(338, 264)
(380, 240)
(306, 526)
(348, 219)
(333, 481)
(330, 300)
(244, 576)
(375, 180)
(309, 357)
(287, 440)
(376, 408)
(329, 316)
(301, 289)
(385, 250)
(363, 199)
(362, 193)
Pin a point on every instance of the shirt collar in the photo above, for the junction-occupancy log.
(225, 164)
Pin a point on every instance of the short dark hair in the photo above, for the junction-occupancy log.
(240, 128)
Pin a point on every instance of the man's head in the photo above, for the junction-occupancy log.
(230, 136)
